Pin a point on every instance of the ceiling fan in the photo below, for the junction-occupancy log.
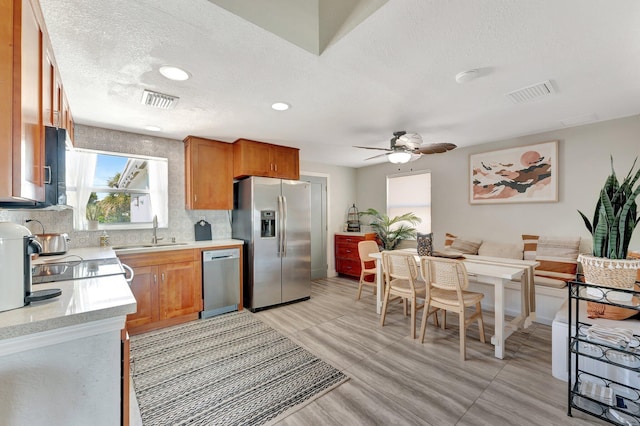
(407, 147)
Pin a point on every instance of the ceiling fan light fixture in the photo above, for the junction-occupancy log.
(399, 157)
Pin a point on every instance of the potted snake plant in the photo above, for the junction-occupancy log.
(614, 221)
(391, 231)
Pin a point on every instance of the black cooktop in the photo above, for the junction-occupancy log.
(75, 269)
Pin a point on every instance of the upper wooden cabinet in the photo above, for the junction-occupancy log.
(27, 95)
(252, 158)
(208, 174)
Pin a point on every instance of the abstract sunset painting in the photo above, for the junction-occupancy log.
(516, 175)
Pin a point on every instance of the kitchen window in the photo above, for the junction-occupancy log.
(410, 193)
(119, 191)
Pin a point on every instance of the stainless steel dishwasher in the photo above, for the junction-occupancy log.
(220, 281)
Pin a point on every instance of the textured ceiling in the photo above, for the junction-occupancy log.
(393, 71)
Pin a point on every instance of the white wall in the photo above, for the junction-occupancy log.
(341, 188)
(583, 168)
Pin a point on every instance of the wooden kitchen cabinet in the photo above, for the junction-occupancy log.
(27, 70)
(48, 84)
(180, 290)
(67, 117)
(208, 174)
(253, 158)
(346, 252)
(167, 287)
(144, 287)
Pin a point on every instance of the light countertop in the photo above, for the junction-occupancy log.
(355, 234)
(82, 301)
(88, 299)
(181, 246)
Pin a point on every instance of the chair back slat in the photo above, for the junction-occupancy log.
(400, 266)
(365, 248)
(447, 274)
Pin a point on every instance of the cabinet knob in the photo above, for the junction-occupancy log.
(155, 278)
(162, 275)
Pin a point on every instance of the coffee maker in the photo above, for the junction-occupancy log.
(16, 247)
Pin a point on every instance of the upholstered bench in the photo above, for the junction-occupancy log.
(558, 264)
(560, 339)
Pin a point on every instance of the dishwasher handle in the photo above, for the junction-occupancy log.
(218, 255)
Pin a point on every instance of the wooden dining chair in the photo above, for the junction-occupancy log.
(367, 271)
(446, 288)
(402, 282)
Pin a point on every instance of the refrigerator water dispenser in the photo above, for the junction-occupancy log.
(267, 223)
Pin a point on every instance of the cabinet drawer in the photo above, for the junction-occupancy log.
(347, 251)
(347, 239)
(348, 267)
(160, 257)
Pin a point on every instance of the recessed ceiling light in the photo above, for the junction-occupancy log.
(153, 128)
(466, 76)
(281, 106)
(174, 73)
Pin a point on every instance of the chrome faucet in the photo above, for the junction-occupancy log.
(155, 239)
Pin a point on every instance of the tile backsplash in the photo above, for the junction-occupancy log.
(181, 221)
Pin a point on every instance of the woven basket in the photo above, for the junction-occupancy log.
(613, 273)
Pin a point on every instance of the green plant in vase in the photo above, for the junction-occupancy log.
(614, 221)
(391, 231)
(92, 214)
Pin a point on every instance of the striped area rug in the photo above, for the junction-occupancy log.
(227, 370)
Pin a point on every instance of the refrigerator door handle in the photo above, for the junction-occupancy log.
(284, 226)
(280, 225)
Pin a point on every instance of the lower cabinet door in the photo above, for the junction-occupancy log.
(348, 267)
(180, 290)
(145, 289)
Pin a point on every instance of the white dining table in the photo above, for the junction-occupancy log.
(496, 273)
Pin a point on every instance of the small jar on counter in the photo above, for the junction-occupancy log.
(104, 239)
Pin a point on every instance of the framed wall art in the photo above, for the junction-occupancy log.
(525, 174)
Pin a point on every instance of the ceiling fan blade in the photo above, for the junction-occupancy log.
(375, 156)
(368, 147)
(435, 148)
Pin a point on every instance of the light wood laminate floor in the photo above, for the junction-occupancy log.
(395, 380)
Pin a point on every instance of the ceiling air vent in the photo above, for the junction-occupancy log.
(158, 100)
(531, 92)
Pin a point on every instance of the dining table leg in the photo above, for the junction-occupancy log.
(531, 300)
(380, 290)
(497, 340)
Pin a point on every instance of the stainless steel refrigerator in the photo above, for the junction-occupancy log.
(273, 218)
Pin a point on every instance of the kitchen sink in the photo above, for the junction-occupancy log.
(140, 246)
